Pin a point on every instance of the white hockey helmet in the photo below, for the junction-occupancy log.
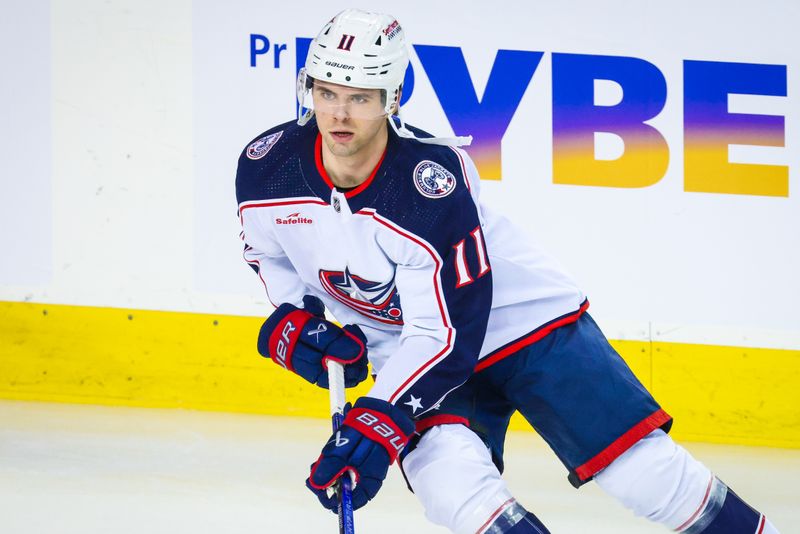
(357, 49)
(364, 50)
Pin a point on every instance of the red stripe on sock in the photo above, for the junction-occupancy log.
(700, 508)
(496, 513)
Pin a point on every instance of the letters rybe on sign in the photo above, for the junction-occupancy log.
(709, 126)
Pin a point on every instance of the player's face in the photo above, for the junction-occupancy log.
(349, 119)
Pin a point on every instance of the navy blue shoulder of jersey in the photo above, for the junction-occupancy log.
(425, 191)
(269, 166)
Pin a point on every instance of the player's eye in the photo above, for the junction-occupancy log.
(360, 99)
(327, 95)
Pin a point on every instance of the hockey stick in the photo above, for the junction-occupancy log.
(343, 486)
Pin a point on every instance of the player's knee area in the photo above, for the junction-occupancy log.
(657, 479)
(452, 474)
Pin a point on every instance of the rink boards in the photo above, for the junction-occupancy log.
(122, 357)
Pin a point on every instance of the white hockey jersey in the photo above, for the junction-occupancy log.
(440, 285)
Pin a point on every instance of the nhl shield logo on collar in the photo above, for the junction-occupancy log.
(259, 148)
(433, 180)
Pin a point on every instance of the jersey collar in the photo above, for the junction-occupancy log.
(320, 183)
(324, 174)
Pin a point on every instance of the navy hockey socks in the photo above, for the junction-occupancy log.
(728, 515)
(529, 524)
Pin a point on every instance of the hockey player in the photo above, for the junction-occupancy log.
(464, 322)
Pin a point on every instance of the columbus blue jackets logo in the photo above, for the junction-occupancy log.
(433, 180)
(376, 300)
(259, 148)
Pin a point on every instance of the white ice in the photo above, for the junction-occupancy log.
(80, 469)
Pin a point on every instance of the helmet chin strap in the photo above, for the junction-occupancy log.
(404, 132)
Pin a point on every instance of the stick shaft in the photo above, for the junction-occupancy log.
(337, 401)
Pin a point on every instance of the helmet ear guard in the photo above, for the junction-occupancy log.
(303, 87)
(362, 50)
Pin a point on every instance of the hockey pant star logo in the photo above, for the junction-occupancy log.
(415, 403)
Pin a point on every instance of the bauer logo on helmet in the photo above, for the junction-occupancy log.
(339, 65)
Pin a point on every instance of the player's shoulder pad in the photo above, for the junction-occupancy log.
(435, 171)
(269, 165)
(430, 189)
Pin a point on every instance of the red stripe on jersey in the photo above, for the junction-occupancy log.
(425, 367)
(268, 204)
(463, 168)
(258, 263)
(428, 249)
(530, 339)
(322, 172)
(318, 160)
(439, 299)
(622, 444)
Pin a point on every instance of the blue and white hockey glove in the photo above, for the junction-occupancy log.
(371, 437)
(301, 340)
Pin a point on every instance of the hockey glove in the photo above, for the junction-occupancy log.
(301, 340)
(371, 437)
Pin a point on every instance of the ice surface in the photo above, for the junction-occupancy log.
(80, 469)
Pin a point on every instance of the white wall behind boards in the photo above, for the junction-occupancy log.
(26, 209)
(125, 139)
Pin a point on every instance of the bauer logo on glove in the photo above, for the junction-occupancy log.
(371, 437)
(302, 341)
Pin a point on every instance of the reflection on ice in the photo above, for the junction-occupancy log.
(76, 469)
